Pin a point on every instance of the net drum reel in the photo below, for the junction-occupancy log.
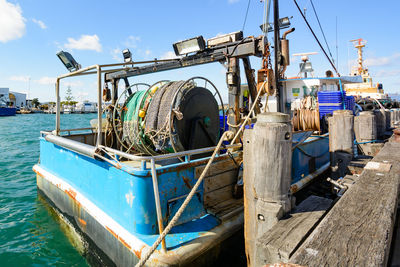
(118, 111)
(171, 116)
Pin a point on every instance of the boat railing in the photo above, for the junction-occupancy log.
(98, 151)
(75, 146)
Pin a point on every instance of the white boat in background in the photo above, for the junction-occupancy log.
(366, 88)
(86, 107)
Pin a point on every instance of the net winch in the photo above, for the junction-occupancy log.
(169, 116)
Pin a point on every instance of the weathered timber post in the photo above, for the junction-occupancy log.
(341, 141)
(397, 116)
(380, 122)
(267, 176)
(393, 115)
(366, 132)
(387, 119)
(365, 127)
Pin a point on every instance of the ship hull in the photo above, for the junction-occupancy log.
(98, 230)
(8, 111)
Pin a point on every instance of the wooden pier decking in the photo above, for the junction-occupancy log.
(357, 230)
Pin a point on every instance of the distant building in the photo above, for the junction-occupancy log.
(18, 99)
(13, 99)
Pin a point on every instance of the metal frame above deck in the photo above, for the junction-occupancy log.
(227, 52)
(249, 46)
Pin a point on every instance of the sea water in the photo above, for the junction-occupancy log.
(30, 232)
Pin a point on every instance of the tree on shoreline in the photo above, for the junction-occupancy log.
(35, 102)
(69, 97)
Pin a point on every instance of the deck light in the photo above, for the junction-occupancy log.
(127, 55)
(189, 46)
(68, 60)
(226, 38)
(283, 24)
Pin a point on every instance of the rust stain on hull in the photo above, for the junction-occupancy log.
(82, 222)
(120, 239)
(72, 194)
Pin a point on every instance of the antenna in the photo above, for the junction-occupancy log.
(305, 66)
(304, 56)
(360, 44)
(337, 47)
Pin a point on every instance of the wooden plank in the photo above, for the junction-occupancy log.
(219, 167)
(213, 198)
(223, 208)
(356, 166)
(358, 229)
(280, 242)
(217, 181)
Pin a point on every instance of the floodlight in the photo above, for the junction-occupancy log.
(127, 55)
(195, 44)
(225, 38)
(283, 24)
(68, 60)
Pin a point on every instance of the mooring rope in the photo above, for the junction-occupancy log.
(178, 214)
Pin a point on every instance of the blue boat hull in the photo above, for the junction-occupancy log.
(115, 207)
(126, 250)
(8, 111)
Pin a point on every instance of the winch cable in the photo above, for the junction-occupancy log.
(245, 18)
(316, 38)
(323, 33)
(177, 215)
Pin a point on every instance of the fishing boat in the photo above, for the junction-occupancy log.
(157, 179)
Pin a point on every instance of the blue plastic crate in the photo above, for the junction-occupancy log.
(331, 97)
(349, 102)
(324, 110)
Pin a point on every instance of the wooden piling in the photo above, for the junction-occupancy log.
(387, 119)
(341, 141)
(341, 134)
(380, 122)
(365, 127)
(267, 176)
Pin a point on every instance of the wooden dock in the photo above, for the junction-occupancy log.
(357, 230)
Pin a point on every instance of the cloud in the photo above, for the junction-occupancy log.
(73, 84)
(40, 23)
(132, 41)
(85, 42)
(147, 52)
(12, 22)
(388, 73)
(117, 54)
(233, 1)
(19, 78)
(169, 55)
(46, 80)
(381, 61)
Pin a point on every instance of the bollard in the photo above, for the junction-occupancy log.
(397, 116)
(392, 118)
(387, 119)
(365, 127)
(341, 134)
(380, 123)
(341, 141)
(267, 162)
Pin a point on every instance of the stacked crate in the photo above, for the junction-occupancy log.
(330, 101)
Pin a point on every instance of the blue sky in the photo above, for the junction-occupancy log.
(32, 31)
